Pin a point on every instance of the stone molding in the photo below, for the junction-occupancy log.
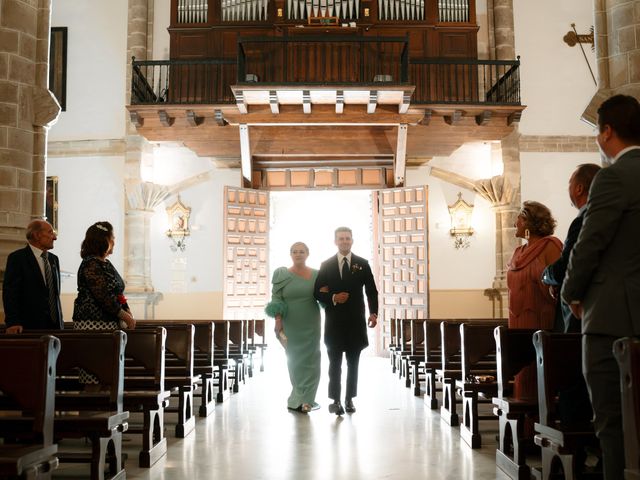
(558, 143)
(86, 148)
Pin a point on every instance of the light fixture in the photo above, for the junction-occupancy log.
(461, 229)
(178, 215)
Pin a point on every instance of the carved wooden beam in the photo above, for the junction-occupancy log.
(400, 159)
(192, 119)
(306, 101)
(136, 119)
(339, 102)
(426, 119)
(514, 118)
(454, 118)
(219, 117)
(241, 102)
(273, 102)
(373, 101)
(245, 154)
(165, 119)
(406, 100)
(483, 118)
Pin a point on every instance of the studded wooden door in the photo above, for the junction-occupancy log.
(246, 253)
(402, 255)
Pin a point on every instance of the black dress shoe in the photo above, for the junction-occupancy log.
(336, 407)
(349, 406)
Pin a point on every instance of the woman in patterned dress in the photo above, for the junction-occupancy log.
(100, 304)
(297, 316)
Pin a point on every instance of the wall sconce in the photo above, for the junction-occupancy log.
(178, 215)
(461, 229)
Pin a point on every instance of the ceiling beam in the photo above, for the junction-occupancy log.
(400, 159)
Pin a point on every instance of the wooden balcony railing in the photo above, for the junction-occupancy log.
(332, 62)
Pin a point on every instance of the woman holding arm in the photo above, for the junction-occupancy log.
(297, 316)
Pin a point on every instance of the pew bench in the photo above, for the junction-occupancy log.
(144, 390)
(563, 443)
(627, 352)
(514, 350)
(478, 384)
(432, 361)
(221, 358)
(27, 391)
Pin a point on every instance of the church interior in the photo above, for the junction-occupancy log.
(213, 134)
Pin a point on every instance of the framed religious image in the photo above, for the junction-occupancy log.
(51, 202)
(58, 65)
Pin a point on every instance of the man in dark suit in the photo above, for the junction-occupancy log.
(553, 275)
(31, 289)
(602, 283)
(339, 287)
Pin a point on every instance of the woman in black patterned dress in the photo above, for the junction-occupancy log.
(101, 304)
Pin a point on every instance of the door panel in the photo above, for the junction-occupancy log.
(403, 255)
(246, 253)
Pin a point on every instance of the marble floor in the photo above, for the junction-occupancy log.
(253, 436)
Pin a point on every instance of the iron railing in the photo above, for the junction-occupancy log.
(183, 81)
(317, 60)
(439, 80)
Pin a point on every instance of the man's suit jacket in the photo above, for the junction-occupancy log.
(24, 292)
(604, 266)
(345, 325)
(554, 274)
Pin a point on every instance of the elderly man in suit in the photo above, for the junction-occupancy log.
(31, 289)
(553, 275)
(602, 283)
(339, 287)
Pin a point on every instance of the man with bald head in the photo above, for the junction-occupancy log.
(31, 288)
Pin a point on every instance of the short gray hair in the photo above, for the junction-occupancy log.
(34, 227)
(342, 229)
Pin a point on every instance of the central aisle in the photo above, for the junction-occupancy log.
(254, 436)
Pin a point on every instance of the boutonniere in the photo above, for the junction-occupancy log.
(355, 267)
(122, 300)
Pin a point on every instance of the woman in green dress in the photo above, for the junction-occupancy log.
(297, 317)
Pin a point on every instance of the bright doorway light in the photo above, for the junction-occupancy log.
(312, 217)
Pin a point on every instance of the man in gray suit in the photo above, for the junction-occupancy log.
(602, 283)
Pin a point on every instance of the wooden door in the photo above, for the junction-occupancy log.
(246, 253)
(402, 264)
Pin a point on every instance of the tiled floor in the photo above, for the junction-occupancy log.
(253, 436)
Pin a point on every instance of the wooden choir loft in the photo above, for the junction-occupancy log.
(292, 89)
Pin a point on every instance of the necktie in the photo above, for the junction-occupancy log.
(53, 299)
(345, 268)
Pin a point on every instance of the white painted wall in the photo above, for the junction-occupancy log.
(90, 189)
(96, 69)
(555, 80)
(545, 178)
(161, 20)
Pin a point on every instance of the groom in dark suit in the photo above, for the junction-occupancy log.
(339, 287)
(602, 283)
(31, 288)
(553, 275)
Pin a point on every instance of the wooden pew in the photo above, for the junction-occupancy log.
(27, 391)
(258, 329)
(432, 361)
(559, 368)
(477, 384)
(238, 354)
(393, 343)
(451, 364)
(203, 359)
(416, 358)
(221, 358)
(144, 390)
(514, 350)
(627, 352)
(179, 374)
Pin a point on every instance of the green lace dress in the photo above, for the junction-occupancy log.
(292, 298)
